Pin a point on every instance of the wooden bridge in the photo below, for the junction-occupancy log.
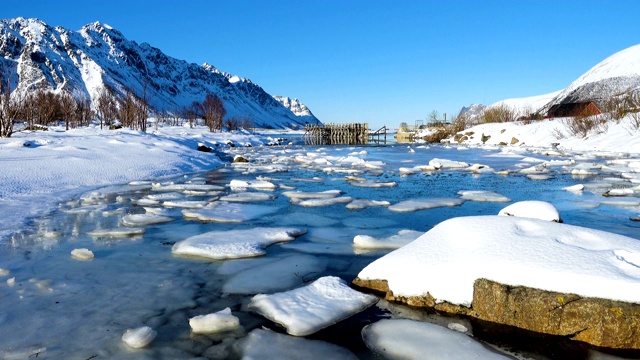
(341, 134)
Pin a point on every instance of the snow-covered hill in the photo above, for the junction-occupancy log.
(84, 62)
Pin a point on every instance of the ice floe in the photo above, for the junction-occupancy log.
(301, 195)
(252, 184)
(448, 164)
(308, 309)
(265, 344)
(482, 196)
(374, 184)
(185, 204)
(139, 337)
(144, 219)
(247, 197)
(217, 322)
(234, 244)
(513, 251)
(574, 188)
(184, 187)
(229, 212)
(410, 339)
(423, 204)
(532, 209)
(82, 254)
(400, 239)
(358, 204)
(116, 232)
(325, 202)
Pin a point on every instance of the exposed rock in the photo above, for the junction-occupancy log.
(204, 148)
(238, 159)
(485, 138)
(600, 322)
(514, 141)
(502, 143)
(460, 138)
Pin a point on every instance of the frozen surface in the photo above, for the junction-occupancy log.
(513, 251)
(532, 209)
(408, 339)
(83, 254)
(117, 232)
(144, 219)
(482, 196)
(268, 345)
(234, 244)
(220, 321)
(306, 310)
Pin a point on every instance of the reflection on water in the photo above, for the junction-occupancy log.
(81, 309)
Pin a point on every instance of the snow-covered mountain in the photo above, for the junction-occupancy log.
(84, 62)
(615, 75)
(298, 108)
(473, 111)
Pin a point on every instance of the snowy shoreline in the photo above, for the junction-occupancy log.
(41, 169)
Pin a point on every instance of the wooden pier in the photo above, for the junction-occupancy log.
(341, 134)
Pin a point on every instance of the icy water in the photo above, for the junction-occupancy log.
(56, 307)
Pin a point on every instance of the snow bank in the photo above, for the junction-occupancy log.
(306, 310)
(513, 251)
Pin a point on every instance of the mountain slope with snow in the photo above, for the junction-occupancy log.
(615, 75)
(86, 62)
(298, 108)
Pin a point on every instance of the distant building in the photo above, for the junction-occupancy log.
(582, 108)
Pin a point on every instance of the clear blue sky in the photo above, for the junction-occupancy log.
(380, 62)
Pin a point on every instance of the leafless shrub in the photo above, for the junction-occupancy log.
(558, 134)
(581, 125)
(9, 108)
(498, 114)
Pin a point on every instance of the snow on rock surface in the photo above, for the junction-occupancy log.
(217, 322)
(409, 339)
(308, 309)
(265, 344)
(513, 251)
(532, 209)
(139, 337)
(234, 244)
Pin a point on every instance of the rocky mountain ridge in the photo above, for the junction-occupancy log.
(85, 63)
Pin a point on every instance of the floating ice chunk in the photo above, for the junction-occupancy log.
(423, 204)
(532, 160)
(308, 309)
(145, 202)
(299, 195)
(144, 219)
(325, 202)
(482, 196)
(532, 209)
(183, 187)
(185, 204)
(86, 209)
(358, 204)
(247, 197)
(559, 162)
(165, 196)
(583, 172)
(234, 244)
(139, 337)
(117, 232)
(374, 184)
(541, 177)
(457, 327)
(229, 212)
(265, 344)
(139, 183)
(212, 323)
(619, 192)
(410, 339)
(254, 184)
(4, 272)
(82, 254)
(170, 212)
(11, 281)
(402, 238)
(625, 201)
(479, 169)
(574, 188)
(286, 272)
(448, 164)
(538, 169)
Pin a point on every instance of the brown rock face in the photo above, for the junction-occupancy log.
(600, 322)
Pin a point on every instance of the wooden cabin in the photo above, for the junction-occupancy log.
(583, 108)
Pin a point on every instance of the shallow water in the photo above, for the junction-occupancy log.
(60, 307)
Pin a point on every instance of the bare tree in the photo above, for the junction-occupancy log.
(107, 107)
(9, 109)
(213, 111)
(67, 108)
